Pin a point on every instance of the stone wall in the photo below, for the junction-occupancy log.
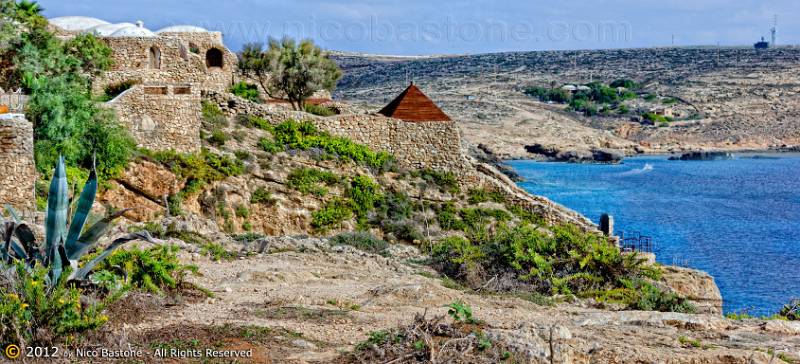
(161, 116)
(434, 145)
(17, 169)
(169, 58)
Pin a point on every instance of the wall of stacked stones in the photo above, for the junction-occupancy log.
(161, 116)
(182, 59)
(17, 169)
(434, 145)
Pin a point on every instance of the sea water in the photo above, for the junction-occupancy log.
(737, 219)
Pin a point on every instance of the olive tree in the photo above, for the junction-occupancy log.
(286, 67)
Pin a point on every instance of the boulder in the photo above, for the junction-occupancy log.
(698, 286)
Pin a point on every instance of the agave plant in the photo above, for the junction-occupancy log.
(65, 241)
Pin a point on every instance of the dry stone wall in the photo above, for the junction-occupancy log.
(17, 169)
(161, 116)
(434, 145)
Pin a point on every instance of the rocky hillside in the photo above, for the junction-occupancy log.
(253, 212)
(734, 98)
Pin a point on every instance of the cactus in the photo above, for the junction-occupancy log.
(65, 241)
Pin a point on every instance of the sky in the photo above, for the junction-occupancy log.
(424, 27)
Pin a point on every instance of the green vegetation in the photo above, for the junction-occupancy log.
(246, 91)
(567, 261)
(444, 180)
(791, 311)
(255, 122)
(333, 214)
(626, 83)
(40, 303)
(309, 180)
(544, 94)
(363, 241)
(480, 195)
(460, 312)
(217, 252)
(213, 117)
(218, 138)
(33, 313)
(305, 135)
(152, 269)
(656, 119)
(319, 110)
(197, 169)
(57, 74)
(296, 70)
(261, 196)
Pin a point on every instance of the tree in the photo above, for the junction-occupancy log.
(93, 55)
(296, 70)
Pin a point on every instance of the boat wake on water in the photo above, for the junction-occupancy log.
(646, 168)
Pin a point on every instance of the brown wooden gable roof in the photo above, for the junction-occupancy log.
(412, 105)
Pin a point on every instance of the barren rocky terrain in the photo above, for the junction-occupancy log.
(742, 98)
(313, 302)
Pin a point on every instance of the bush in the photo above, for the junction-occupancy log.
(218, 138)
(480, 195)
(305, 135)
(319, 110)
(546, 94)
(332, 214)
(32, 313)
(626, 83)
(308, 180)
(261, 196)
(362, 241)
(567, 261)
(152, 270)
(791, 311)
(363, 193)
(446, 181)
(254, 122)
(246, 91)
(212, 114)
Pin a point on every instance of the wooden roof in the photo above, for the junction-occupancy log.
(412, 105)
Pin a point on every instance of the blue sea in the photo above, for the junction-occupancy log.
(737, 219)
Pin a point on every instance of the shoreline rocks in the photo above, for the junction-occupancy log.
(560, 154)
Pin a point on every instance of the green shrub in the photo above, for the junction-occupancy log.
(212, 114)
(446, 181)
(566, 261)
(626, 83)
(261, 196)
(242, 155)
(305, 135)
(251, 121)
(791, 311)
(362, 241)
(405, 230)
(656, 119)
(319, 110)
(32, 313)
(650, 97)
(480, 195)
(308, 180)
(152, 270)
(270, 146)
(217, 252)
(242, 211)
(246, 91)
(332, 214)
(363, 193)
(547, 94)
(460, 312)
(218, 138)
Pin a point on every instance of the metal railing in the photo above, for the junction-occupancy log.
(636, 242)
(15, 100)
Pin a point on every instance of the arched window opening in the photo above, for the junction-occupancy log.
(154, 58)
(214, 58)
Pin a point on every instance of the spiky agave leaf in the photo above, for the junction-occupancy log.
(27, 239)
(89, 238)
(58, 262)
(81, 213)
(8, 230)
(83, 272)
(13, 213)
(57, 206)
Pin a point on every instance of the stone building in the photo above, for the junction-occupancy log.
(164, 72)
